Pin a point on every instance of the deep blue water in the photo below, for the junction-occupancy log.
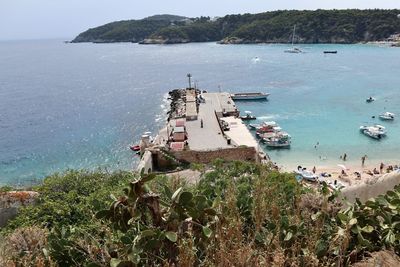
(80, 105)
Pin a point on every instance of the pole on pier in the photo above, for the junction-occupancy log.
(190, 81)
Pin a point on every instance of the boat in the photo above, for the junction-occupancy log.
(254, 126)
(386, 116)
(293, 49)
(250, 96)
(307, 175)
(265, 137)
(248, 116)
(376, 132)
(375, 128)
(373, 134)
(281, 140)
(370, 99)
(330, 52)
(135, 148)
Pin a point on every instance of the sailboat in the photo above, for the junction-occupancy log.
(293, 49)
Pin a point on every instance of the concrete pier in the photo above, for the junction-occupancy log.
(201, 128)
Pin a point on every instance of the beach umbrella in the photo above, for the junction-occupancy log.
(342, 166)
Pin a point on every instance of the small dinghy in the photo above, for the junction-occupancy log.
(370, 99)
(307, 175)
(135, 148)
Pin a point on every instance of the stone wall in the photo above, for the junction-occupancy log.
(229, 154)
(11, 201)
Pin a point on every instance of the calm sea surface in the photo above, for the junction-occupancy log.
(77, 106)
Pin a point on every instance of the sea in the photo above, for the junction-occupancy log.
(79, 106)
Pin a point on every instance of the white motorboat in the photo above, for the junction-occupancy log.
(373, 133)
(375, 128)
(386, 116)
(307, 175)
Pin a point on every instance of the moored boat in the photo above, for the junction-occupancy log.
(370, 99)
(386, 116)
(376, 132)
(375, 128)
(330, 52)
(250, 96)
(281, 140)
(248, 116)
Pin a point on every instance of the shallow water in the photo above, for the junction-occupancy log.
(80, 105)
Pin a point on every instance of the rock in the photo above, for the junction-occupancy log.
(11, 201)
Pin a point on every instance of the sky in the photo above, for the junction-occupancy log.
(44, 19)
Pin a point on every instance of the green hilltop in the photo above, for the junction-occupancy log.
(319, 26)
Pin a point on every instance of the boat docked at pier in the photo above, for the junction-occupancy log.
(250, 96)
(387, 116)
(248, 116)
(280, 140)
(255, 126)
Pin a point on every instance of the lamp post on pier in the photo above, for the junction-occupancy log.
(190, 81)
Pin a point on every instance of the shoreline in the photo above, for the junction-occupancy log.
(351, 167)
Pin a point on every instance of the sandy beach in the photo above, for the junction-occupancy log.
(351, 168)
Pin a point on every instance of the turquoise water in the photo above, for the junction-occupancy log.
(80, 105)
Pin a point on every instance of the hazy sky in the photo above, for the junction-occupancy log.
(36, 19)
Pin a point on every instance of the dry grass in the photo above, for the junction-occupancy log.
(24, 247)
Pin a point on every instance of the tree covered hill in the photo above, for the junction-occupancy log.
(319, 26)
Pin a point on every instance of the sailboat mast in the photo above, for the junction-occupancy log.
(294, 32)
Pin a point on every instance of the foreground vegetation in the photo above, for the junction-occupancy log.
(320, 26)
(240, 214)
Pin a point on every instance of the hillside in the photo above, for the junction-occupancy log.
(238, 214)
(320, 26)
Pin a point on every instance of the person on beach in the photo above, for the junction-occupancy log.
(314, 170)
(375, 171)
(381, 167)
(344, 156)
(363, 160)
(201, 123)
